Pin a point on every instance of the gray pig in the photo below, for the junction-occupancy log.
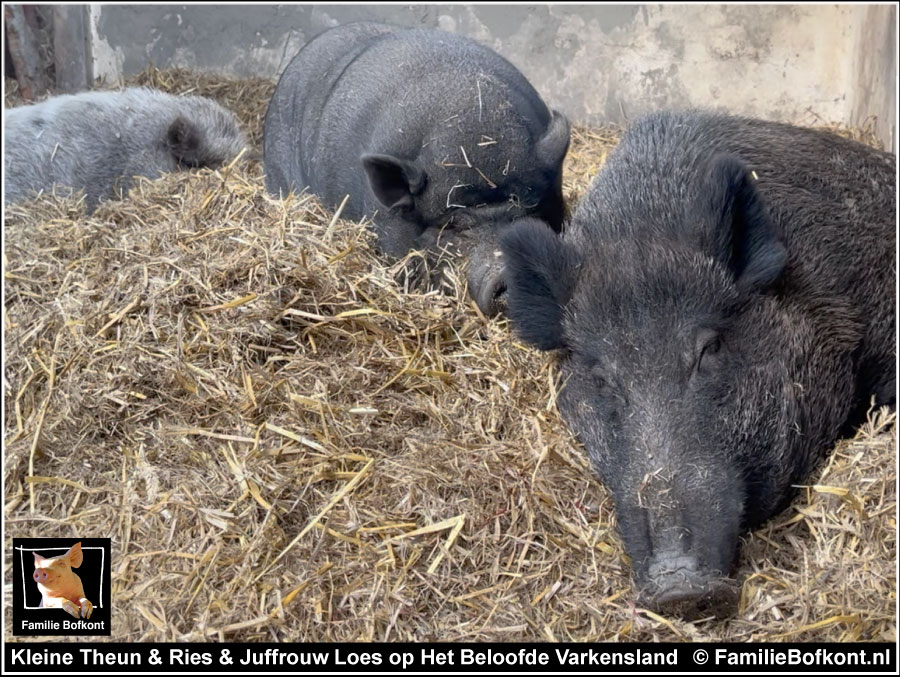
(439, 138)
(724, 300)
(98, 141)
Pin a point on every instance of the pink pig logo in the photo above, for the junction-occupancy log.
(60, 586)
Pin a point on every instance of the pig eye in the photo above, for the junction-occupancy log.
(709, 350)
(599, 380)
(460, 220)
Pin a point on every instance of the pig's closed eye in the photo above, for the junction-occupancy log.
(708, 353)
(461, 220)
(600, 381)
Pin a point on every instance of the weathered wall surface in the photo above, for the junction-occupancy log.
(795, 63)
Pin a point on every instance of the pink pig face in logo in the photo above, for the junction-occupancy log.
(60, 586)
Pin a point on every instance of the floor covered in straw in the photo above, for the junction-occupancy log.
(285, 446)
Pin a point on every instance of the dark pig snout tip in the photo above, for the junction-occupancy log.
(487, 280)
(492, 298)
(681, 587)
(718, 599)
(39, 576)
(690, 597)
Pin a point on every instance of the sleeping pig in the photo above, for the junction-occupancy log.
(723, 301)
(98, 141)
(439, 139)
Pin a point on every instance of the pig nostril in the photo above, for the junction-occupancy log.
(499, 291)
(491, 294)
(497, 299)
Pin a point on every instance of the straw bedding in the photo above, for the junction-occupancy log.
(285, 445)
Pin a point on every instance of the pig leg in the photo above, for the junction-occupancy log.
(86, 607)
(71, 608)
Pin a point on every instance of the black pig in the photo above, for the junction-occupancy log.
(724, 302)
(98, 141)
(439, 138)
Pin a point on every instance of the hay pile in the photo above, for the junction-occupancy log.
(283, 445)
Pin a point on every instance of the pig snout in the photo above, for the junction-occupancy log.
(487, 271)
(678, 586)
(487, 283)
(683, 561)
(40, 576)
(681, 526)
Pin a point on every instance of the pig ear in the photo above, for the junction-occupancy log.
(541, 270)
(393, 181)
(37, 559)
(746, 239)
(183, 140)
(551, 148)
(75, 556)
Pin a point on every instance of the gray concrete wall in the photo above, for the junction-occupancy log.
(597, 63)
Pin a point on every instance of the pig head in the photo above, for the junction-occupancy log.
(60, 586)
(715, 334)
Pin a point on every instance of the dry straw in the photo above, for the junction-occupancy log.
(283, 445)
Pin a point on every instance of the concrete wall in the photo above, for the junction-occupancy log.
(796, 63)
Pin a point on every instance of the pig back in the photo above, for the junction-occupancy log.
(294, 115)
(82, 140)
(99, 140)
